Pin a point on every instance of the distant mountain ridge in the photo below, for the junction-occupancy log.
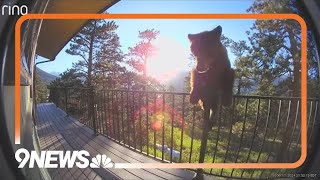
(178, 82)
(47, 78)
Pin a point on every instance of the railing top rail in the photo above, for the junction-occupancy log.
(185, 93)
(237, 96)
(65, 87)
(274, 97)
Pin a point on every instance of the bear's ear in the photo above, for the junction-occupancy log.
(191, 37)
(217, 30)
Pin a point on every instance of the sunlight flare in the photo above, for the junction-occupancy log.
(169, 58)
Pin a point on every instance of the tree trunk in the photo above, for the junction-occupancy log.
(91, 91)
(296, 63)
(286, 138)
(90, 61)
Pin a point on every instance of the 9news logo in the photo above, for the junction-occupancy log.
(61, 159)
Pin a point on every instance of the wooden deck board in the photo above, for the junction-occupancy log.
(79, 142)
(54, 141)
(56, 131)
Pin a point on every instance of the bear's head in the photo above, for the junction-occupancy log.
(205, 46)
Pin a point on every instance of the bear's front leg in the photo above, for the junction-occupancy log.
(195, 87)
(194, 96)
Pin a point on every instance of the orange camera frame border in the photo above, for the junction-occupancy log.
(181, 16)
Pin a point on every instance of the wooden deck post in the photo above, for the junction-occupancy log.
(203, 147)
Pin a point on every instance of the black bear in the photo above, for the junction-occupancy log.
(213, 78)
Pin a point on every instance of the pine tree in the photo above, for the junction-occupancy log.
(139, 53)
(95, 43)
(277, 45)
(69, 81)
(41, 90)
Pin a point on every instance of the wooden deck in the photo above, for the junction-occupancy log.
(56, 131)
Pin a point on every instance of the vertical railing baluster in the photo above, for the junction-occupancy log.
(204, 140)
(230, 133)
(217, 138)
(96, 109)
(297, 112)
(89, 109)
(105, 112)
(118, 115)
(133, 120)
(113, 115)
(93, 113)
(100, 114)
(294, 128)
(122, 117)
(182, 126)
(192, 131)
(316, 114)
(154, 125)
(80, 106)
(147, 116)
(172, 120)
(109, 113)
(309, 121)
(278, 158)
(309, 140)
(163, 125)
(264, 135)
(276, 133)
(96, 105)
(89, 120)
(140, 121)
(128, 120)
(285, 128)
(98, 117)
(85, 107)
(254, 135)
(242, 133)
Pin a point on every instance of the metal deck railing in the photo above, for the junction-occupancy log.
(165, 126)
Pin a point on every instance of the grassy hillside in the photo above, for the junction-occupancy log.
(45, 77)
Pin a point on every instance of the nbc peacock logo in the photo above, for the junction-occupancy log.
(102, 161)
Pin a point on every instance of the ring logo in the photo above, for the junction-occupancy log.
(61, 159)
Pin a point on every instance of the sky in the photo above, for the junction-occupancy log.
(173, 42)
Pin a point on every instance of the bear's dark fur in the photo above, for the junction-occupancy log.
(212, 80)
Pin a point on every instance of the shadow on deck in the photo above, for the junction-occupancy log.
(56, 131)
